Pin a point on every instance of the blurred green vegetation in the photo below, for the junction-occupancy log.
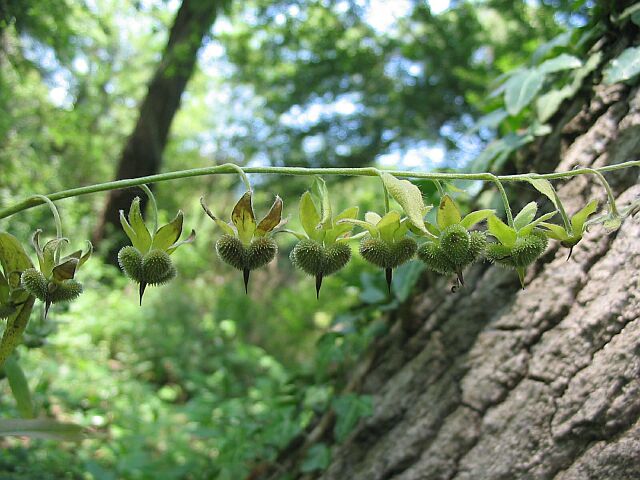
(204, 381)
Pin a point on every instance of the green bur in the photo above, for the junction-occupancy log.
(49, 292)
(318, 260)
(257, 254)
(154, 268)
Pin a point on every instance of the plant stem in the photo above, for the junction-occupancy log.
(56, 219)
(612, 200)
(154, 207)
(34, 201)
(505, 200)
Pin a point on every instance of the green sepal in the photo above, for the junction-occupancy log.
(271, 220)
(373, 231)
(388, 225)
(478, 216)
(526, 215)
(50, 250)
(554, 231)
(503, 232)
(526, 230)
(372, 217)
(137, 224)
(190, 239)
(579, 219)
(321, 192)
(243, 218)
(448, 213)
(168, 234)
(309, 216)
(65, 270)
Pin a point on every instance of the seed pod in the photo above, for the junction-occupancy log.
(35, 283)
(308, 256)
(498, 253)
(64, 291)
(316, 260)
(231, 251)
(157, 267)
(528, 248)
(130, 261)
(434, 258)
(477, 246)
(376, 251)
(261, 251)
(403, 250)
(454, 242)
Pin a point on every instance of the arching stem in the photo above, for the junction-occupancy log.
(154, 208)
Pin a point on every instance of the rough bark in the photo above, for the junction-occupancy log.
(494, 382)
(142, 154)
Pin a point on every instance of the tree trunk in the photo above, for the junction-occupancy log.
(494, 382)
(142, 154)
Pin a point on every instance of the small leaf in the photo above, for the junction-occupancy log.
(19, 387)
(43, 428)
(521, 89)
(318, 458)
(476, 217)
(168, 234)
(143, 237)
(563, 61)
(545, 187)
(349, 410)
(503, 232)
(272, 219)
(309, 216)
(409, 198)
(578, 220)
(448, 213)
(624, 67)
(526, 215)
(243, 218)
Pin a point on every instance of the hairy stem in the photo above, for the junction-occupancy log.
(34, 201)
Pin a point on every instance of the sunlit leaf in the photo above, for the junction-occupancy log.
(409, 197)
(624, 67)
(478, 216)
(521, 89)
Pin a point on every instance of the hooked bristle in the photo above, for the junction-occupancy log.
(157, 267)
(454, 242)
(434, 259)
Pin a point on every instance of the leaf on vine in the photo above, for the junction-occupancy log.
(410, 199)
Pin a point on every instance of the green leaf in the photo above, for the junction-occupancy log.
(577, 221)
(351, 212)
(42, 428)
(526, 215)
(272, 219)
(503, 232)
(409, 198)
(349, 410)
(545, 187)
(547, 105)
(372, 217)
(448, 213)
(476, 217)
(168, 234)
(143, 237)
(521, 89)
(624, 67)
(319, 189)
(563, 61)
(243, 218)
(19, 387)
(309, 216)
(318, 458)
